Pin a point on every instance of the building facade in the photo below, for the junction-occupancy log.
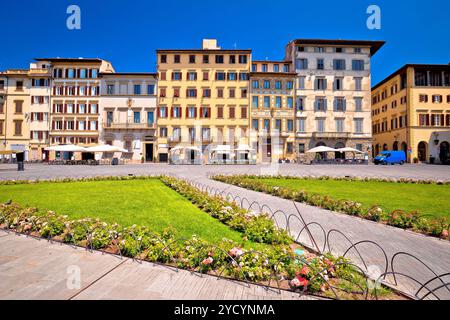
(333, 106)
(15, 111)
(203, 98)
(272, 111)
(74, 99)
(411, 112)
(128, 113)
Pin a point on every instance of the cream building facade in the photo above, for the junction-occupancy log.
(333, 106)
(203, 98)
(128, 113)
(411, 112)
(272, 110)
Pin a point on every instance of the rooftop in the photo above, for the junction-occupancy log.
(374, 45)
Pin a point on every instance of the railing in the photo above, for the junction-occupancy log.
(128, 125)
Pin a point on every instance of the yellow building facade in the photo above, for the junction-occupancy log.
(272, 105)
(203, 98)
(411, 112)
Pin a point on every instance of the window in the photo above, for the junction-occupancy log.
(94, 73)
(206, 93)
(339, 125)
(285, 68)
(82, 108)
(255, 124)
(191, 93)
(358, 84)
(163, 112)
(17, 127)
(243, 112)
(437, 98)
(220, 112)
(192, 58)
(301, 82)
(205, 75)
(358, 104)
(424, 120)
(219, 59)
(176, 92)
(278, 124)
(2, 84)
(205, 112)
(255, 84)
(290, 102)
(338, 84)
(278, 102)
(232, 76)
(94, 108)
(266, 102)
(163, 132)
(357, 65)
(219, 93)
(206, 133)
(254, 67)
(358, 125)
(192, 76)
(151, 89)
(266, 84)
(264, 67)
(18, 106)
(110, 89)
(290, 125)
(70, 73)
(232, 112)
(243, 93)
(220, 76)
(301, 125)
(278, 85)
(137, 89)
(301, 148)
(320, 104)
(436, 120)
(191, 112)
(242, 59)
(232, 93)
(83, 73)
(176, 75)
(255, 101)
(301, 64)
(205, 58)
(19, 85)
(163, 58)
(276, 68)
(339, 104)
(357, 50)
(243, 76)
(176, 58)
(320, 84)
(320, 64)
(266, 124)
(300, 49)
(301, 103)
(320, 123)
(423, 98)
(176, 112)
(338, 64)
(289, 85)
(338, 50)
(232, 59)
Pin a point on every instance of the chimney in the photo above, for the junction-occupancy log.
(210, 44)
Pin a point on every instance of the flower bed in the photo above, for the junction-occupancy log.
(282, 264)
(437, 227)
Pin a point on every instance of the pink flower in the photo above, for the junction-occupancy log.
(208, 261)
(236, 252)
(303, 281)
(444, 234)
(299, 282)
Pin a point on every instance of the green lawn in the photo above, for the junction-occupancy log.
(141, 202)
(425, 198)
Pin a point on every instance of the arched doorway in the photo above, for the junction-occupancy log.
(422, 151)
(339, 155)
(377, 149)
(321, 155)
(385, 148)
(444, 152)
(404, 147)
(395, 146)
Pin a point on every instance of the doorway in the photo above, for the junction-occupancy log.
(148, 152)
(444, 152)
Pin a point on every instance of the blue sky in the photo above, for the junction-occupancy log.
(127, 33)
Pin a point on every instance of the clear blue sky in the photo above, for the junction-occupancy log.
(127, 33)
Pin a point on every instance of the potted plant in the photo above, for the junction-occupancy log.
(416, 160)
(142, 159)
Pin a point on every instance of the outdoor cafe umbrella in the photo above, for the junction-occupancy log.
(321, 149)
(105, 148)
(66, 148)
(348, 149)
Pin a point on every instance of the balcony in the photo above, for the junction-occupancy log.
(128, 126)
(331, 135)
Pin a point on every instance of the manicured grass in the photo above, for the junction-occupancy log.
(141, 202)
(426, 198)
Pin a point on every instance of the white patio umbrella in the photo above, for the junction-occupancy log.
(66, 148)
(105, 148)
(348, 149)
(321, 149)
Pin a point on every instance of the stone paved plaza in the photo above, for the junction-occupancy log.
(432, 251)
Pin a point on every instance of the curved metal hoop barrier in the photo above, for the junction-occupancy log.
(313, 236)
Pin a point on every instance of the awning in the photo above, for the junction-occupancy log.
(2, 152)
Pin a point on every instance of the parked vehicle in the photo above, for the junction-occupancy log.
(390, 157)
